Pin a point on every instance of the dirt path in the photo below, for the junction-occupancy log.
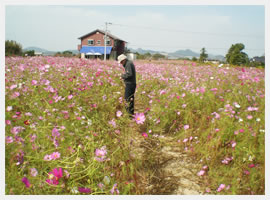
(167, 169)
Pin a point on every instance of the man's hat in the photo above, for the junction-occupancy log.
(121, 58)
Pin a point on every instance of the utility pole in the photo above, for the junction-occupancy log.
(105, 39)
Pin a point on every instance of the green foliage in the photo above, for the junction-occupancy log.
(64, 54)
(29, 53)
(13, 48)
(158, 56)
(236, 56)
(194, 59)
(203, 55)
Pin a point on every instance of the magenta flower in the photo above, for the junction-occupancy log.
(54, 176)
(251, 166)
(84, 190)
(139, 118)
(55, 155)
(144, 135)
(26, 182)
(221, 187)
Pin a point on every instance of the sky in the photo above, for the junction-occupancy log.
(166, 28)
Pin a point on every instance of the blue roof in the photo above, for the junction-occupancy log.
(92, 50)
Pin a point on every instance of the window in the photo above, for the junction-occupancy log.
(108, 42)
(90, 42)
(98, 42)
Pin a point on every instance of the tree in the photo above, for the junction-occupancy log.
(158, 56)
(235, 55)
(13, 48)
(194, 59)
(30, 53)
(203, 55)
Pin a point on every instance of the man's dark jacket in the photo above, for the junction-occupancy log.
(130, 75)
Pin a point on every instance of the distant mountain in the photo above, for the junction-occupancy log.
(46, 52)
(179, 54)
(184, 53)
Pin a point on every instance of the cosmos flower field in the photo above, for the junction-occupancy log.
(67, 131)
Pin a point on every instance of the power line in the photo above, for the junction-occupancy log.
(188, 32)
(162, 46)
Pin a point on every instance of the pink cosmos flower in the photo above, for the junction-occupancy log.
(33, 172)
(233, 144)
(26, 182)
(34, 82)
(84, 190)
(13, 87)
(55, 132)
(201, 173)
(205, 167)
(114, 189)
(8, 122)
(214, 89)
(55, 155)
(17, 129)
(202, 90)
(118, 113)
(101, 154)
(221, 187)
(9, 108)
(139, 118)
(185, 140)
(241, 130)
(186, 127)
(112, 122)
(47, 157)
(9, 139)
(15, 95)
(101, 185)
(70, 96)
(246, 172)
(249, 117)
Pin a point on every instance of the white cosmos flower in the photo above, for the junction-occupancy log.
(237, 105)
(258, 119)
(240, 119)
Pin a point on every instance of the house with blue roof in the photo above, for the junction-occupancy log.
(93, 45)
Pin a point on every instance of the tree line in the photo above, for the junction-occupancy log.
(234, 56)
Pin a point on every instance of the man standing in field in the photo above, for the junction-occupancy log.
(129, 78)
